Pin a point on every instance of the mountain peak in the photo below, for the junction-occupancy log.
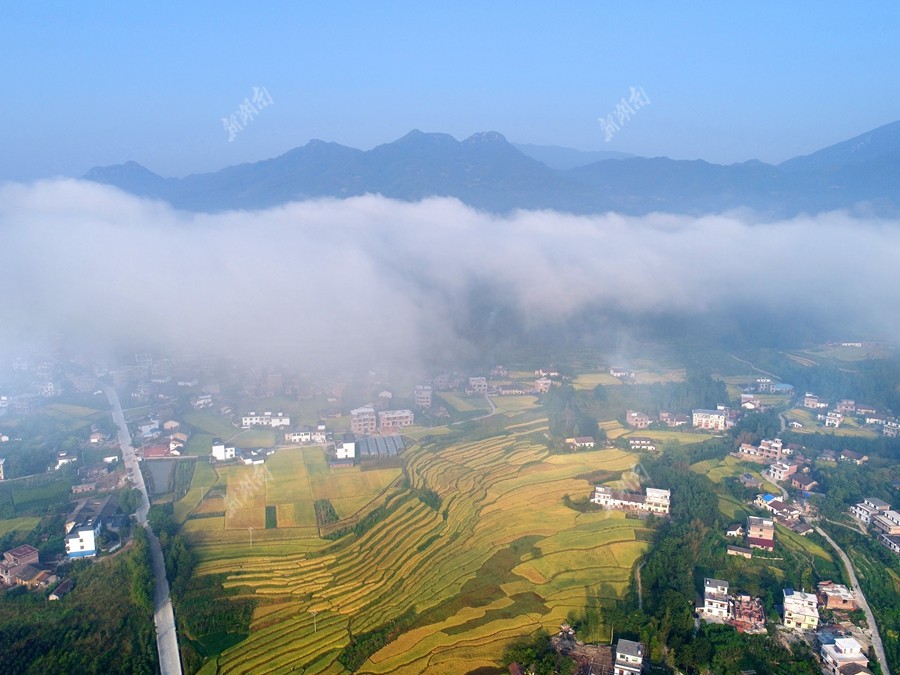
(486, 137)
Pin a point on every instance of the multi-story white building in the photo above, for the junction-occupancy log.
(389, 420)
(715, 598)
(800, 610)
(307, 435)
(345, 450)
(363, 420)
(477, 385)
(840, 653)
(711, 420)
(886, 522)
(267, 419)
(423, 395)
(629, 658)
(655, 501)
(891, 542)
(834, 419)
(222, 451)
(782, 470)
(81, 540)
(868, 508)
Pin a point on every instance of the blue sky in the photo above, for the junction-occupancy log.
(101, 83)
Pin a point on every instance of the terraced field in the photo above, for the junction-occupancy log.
(501, 557)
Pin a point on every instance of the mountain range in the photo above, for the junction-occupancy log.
(488, 172)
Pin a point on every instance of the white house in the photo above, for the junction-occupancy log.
(221, 451)
(346, 450)
(886, 522)
(629, 658)
(655, 500)
(868, 508)
(267, 419)
(712, 420)
(800, 610)
(840, 653)
(715, 598)
(81, 540)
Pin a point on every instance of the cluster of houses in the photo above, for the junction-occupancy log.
(720, 419)
(654, 500)
(878, 516)
(21, 566)
(839, 654)
(864, 414)
(786, 515)
(740, 610)
(161, 439)
(481, 385)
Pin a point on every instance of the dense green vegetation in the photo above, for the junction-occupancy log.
(325, 512)
(96, 628)
(698, 390)
(567, 417)
(538, 656)
(363, 645)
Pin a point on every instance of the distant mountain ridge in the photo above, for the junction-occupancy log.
(487, 172)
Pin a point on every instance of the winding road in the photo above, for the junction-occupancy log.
(863, 603)
(163, 616)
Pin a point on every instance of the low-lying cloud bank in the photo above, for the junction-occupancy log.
(369, 278)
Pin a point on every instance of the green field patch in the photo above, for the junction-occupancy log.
(732, 508)
(655, 376)
(287, 478)
(795, 542)
(24, 524)
(464, 404)
(39, 496)
(211, 423)
(199, 444)
(314, 459)
(514, 404)
(271, 517)
(254, 438)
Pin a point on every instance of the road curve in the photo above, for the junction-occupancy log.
(870, 617)
(163, 616)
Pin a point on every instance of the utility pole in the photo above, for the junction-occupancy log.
(315, 625)
(250, 529)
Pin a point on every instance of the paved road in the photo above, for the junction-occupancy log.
(870, 618)
(163, 616)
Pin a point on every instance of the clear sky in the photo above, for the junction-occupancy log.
(101, 83)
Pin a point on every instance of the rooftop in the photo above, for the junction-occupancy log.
(630, 648)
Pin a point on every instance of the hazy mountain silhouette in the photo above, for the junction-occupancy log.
(488, 172)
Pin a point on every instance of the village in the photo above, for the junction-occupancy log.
(187, 412)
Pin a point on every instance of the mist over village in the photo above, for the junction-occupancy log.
(471, 340)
